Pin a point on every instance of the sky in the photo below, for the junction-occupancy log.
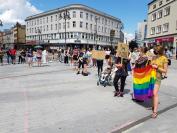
(129, 11)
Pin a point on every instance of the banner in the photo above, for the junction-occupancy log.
(143, 82)
(123, 50)
(99, 55)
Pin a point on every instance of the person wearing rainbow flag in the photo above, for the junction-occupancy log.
(147, 76)
(160, 63)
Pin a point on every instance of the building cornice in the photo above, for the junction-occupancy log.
(161, 7)
(72, 6)
(151, 2)
(169, 35)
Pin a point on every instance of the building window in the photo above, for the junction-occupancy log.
(55, 26)
(98, 19)
(71, 34)
(99, 28)
(81, 24)
(105, 30)
(83, 35)
(87, 26)
(117, 25)
(154, 6)
(56, 17)
(51, 18)
(102, 20)
(165, 27)
(63, 25)
(40, 28)
(81, 14)
(160, 3)
(87, 16)
(152, 30)
(74, 14)
(44, 28)
(91, 27)
(74, 24)
(153, 17)
(167, 11)
(51, 27)
(68, 25)
(159, 14)
(158, 30)
(43, 20)
(47, 19)
(95, 28)
(47, 28)
(59, 25)
(105, 21)
(91, 17)
(75, 34)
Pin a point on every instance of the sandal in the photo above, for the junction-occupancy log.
(150, 108)
(154, 115)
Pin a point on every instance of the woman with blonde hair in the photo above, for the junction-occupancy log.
(160, 63)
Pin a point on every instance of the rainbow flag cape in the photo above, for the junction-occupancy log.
(143, 82)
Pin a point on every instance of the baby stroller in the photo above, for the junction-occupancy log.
(105, 78)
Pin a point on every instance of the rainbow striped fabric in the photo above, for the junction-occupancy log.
(143, 82)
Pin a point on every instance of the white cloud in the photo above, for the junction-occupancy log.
(129, 36)
(12, 11)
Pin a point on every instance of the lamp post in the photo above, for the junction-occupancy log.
(112, 34)
(95, 35)
(66, 16)
(1, 33)
(38, 31)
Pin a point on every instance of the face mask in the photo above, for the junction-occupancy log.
(155, 52)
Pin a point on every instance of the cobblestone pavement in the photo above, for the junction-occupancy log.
(53, 99)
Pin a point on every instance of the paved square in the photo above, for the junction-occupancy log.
(53, 99)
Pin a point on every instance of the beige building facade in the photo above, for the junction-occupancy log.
(162, 23)
(85, 26)
(16, 36)
(141, 34)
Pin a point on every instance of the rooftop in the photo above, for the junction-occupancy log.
(71, 6)
(152, 2)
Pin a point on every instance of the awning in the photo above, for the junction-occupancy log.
(32, 42)
(166, 39)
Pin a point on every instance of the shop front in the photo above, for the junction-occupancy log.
(167, 42)
(150, 43)
(175, 46)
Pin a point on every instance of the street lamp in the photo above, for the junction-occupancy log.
(95, 35)
(112, 34)
(1, 26)
(66, 16)
(38, 31)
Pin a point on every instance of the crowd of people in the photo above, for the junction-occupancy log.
(81, 60)
(22, 56)
(157, 57)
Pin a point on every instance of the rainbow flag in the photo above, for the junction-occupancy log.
(143, 82)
